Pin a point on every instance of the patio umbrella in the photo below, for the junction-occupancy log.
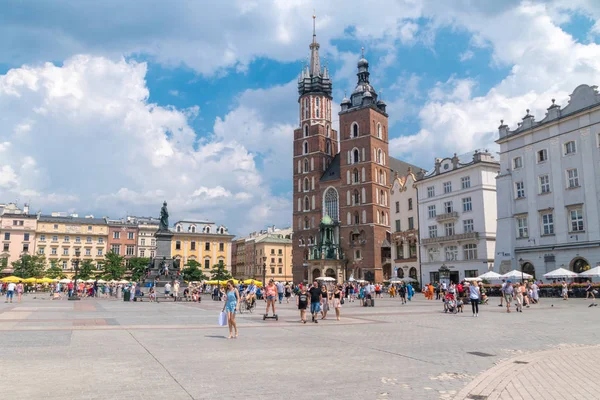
(514, 274)
(123, 281)
(476, 279)
(29, 280)
(326, 279)
(64, 280)
(101, 281)
(560, 273)
(13, 279)
(491, 276)
(590, 273)
(46, 280)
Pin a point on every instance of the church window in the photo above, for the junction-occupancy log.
(328, 131)
(305, 166)
(356, 176)
(382, 198)
(306, 204)
(305, 130)
(379, 156)
(355, 156)
(306, 187)
(305, 147)
(306, 225)
(317, 107)
(306, 108)
(356, 197)
(328, 144)
(383, 217)
(331, 203)
(354, 130)
(381, 177)
(379, 131)
(356, 218)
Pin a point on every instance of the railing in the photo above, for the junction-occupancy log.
(451, 238)
(447, 216)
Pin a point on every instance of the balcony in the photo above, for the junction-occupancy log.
(447, 217)
(452, 238)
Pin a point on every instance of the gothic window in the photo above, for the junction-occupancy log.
(306, 187)
(383, 217)
(356, 176)
(331, 203)
(356, 218)
(356, 197)
(355, 156)
(376, 175)
(354, 130)
(379, 131)
(317, 108)
(379, 156)
(328, 144)
(306, 204)
(305, 130)
(328, 131)
(381, 179)
(305, 166)
(306, 108)
(382, 197)
(306, 225)
(305, 147)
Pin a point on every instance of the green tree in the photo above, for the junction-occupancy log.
(114, 266)
(137, 266)
(219, 273)
(29, 266)
(193, 271)
(86, 269)
(54, 272)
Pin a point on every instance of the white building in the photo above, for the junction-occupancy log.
(405, 225)
(457, 217)
(549, 187)
(147, 227)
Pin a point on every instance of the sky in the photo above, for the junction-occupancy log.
(108, 108)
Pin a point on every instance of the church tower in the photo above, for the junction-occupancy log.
(365, 175)
(315, 145)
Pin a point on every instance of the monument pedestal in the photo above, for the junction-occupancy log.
(163, 257)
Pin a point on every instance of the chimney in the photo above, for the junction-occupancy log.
(553, 111)
(503, 129)
(26, 209)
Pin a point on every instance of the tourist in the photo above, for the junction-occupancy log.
(250, 294)
(270, 296)
(337, 301)
(519, 296)
(167, 289)
(402, 292)
(302, 303)
(70, 287)
(526, 293)
(315, 300)
(152, 295)
(19, 290)
(288, 293)
(589, 290)
(392, 291)
(352, 292)
(231, 306)
(378, 291)
(410, 292)
(431, 291)
(475, 296)
(484, 298)
(502, 292)
(565, 290)
(280, 291)
(535, 293)
(324, 302)
(508, 292)
(176, 289)
(132, 289)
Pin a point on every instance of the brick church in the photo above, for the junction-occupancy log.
(342, 180)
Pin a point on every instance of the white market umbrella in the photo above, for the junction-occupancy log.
(65, 280)
(514, 274)
(89, 281)
(123, 281)
(590, 273)
(476, 279)
(325, 279)
(408, 279)
(101, 281)
(395, 279)
(560, 273)
(490, 276)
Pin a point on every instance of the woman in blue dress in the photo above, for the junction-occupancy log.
(231, 307)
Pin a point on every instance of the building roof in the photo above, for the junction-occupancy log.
(72, 220)
(332, 173)
(274, 239)
(11, 215)
(402, 168)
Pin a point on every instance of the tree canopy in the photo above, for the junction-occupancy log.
(29, 266)
(114, 266)
(137, 266)
(193, 271)
(220, 273)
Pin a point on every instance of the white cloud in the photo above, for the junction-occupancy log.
(466, 55)
(99, 146)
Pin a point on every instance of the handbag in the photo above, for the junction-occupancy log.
(222, 318)
(342, 301)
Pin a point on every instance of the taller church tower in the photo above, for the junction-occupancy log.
(315, 145)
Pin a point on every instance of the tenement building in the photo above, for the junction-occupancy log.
(548, 188)
(405, 222)
(17, 232)
(457, 217)
(341, 184)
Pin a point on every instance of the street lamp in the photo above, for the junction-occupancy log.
(264, 271)
(76, 267)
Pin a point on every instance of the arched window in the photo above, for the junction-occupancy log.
(383, 217)
(379, 156)
(332, 204)
(222, 230)
(376, 175)
(355, 156)
(193, 229)
(306, 108)
(178, 229)
(354, 130)
(306, 185)
(306, 204)
(379, 131)
(317, 103)
(355, 175)
(306, 224)
(208, 229)
(305, 149)
(328, 131)
(356, 218)
(382, 197)
(305, 166)
(328, 147)
(356, 197)
(381, 177)
(305, 130)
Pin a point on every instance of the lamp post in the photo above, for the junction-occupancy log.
(75, 262)
(264, 271)
(521, 262)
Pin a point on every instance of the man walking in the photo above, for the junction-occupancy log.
(502, 292)
(280, 291)
(316, 295)
(10, 291)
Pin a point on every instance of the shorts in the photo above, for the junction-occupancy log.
(302, 306)
(508, 298)
(9, 294)
(280, 295)
(270, 297)
(230, 307)
(167, 292)
(315, 308)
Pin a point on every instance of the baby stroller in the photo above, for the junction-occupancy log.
(450, 304)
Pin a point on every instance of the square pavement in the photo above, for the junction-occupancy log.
(105, 348)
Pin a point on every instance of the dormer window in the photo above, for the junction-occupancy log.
(178, 228)
(207, 229)
(193, 229)
(221, 230)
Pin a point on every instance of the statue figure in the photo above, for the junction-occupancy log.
(164, 218)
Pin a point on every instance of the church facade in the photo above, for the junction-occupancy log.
(342, 180)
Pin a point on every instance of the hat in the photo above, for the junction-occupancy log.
(508, 281)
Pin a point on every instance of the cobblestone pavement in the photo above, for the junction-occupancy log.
(99, 349)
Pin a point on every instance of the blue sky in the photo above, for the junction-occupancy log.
(110, 108)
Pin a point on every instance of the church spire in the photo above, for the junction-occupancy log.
(315, 62)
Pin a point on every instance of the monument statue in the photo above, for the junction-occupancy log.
(164, 218)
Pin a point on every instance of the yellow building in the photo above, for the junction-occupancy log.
(59, 238)
(201, 241)
(267, 252)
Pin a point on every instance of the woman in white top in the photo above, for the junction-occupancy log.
(474, 295)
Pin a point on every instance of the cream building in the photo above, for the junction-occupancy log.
(58, 238)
